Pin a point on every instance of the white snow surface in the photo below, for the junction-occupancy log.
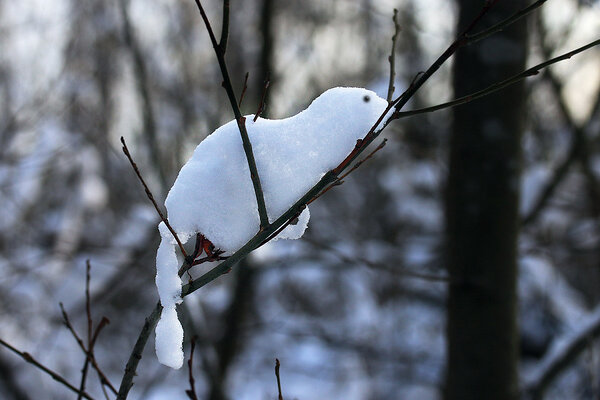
(213, 193)
(169, 339)
(169, 332)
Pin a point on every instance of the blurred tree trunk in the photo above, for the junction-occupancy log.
(482, 214)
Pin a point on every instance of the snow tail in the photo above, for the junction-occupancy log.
(169, 332)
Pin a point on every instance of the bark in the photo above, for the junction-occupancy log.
(482, 214)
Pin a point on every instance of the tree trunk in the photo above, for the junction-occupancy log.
(482, 214)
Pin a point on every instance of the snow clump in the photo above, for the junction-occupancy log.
(213, 193)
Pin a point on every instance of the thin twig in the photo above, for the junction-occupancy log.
(224, 27)
(151, 197)
(191, 392)
(401, 100)
(578, 148)
(149, 325)
(498, 85)
(277, 365)
(244, 88)
(504, 23)
(241, 121)
(57, 377)
(81, 344)
(392, 57)
(261, 106)
(88, 313)
(89, 351)
(460, 41)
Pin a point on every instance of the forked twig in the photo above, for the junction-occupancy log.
(224, 27)
(151, 197)
(88, 351)
(499, 85)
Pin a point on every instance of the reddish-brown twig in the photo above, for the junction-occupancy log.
(262, 105)
(277, 365)
(191, 392)
(151, 197)
(244, 88)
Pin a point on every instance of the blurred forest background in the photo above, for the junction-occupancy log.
(357, 308)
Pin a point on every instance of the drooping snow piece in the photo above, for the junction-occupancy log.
(214, 195)
(169, 332)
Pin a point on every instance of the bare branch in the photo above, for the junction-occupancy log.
(89, 326)
(392, 57)
(401, 100)
(89, 351)
(151, 197)
(506, 22)
(192, 391)
(561, 355)
(57, 377)
(244, 88)
(241, 121)
(578, 148)
(136, 353)
(224, 27)
(499, 85)
(277, 365)
(261, 106)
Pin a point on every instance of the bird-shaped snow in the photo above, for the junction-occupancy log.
(214, 195)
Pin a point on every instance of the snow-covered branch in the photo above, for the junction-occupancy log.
(241, 121)
(561, 355)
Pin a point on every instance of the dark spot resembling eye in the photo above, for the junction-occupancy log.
(366, 99)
